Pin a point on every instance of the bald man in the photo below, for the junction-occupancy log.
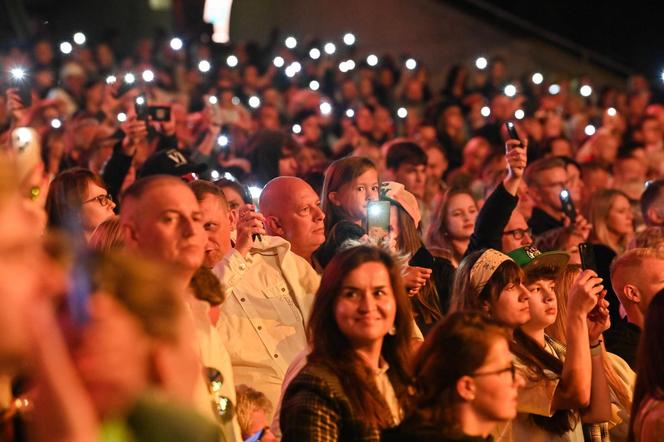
(292, 211)
(636, 276)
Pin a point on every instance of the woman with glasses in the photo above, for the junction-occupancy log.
(461, 398)
(354, 383)
(77, 202)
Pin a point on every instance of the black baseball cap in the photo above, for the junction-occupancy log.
(169, 162)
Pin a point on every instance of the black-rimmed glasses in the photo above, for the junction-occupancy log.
(518, 233)
(103, 200)
(511, 369)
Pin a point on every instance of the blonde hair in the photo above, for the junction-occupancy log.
(247, 401)
(437, 238)
(107, 236)
(598, 213)
(651, 237)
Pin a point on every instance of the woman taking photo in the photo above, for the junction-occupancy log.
(461, 398)
(353, 385)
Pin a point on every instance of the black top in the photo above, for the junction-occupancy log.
(491, 221)
(338, 234)
(541, 221)
(426, 433)
(442, 277)
(622, 339)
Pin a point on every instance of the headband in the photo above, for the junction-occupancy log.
(485, 267)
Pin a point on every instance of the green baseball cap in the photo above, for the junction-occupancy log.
(530, 258)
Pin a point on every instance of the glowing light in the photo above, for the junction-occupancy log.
(589, 130)
(235, 101)
(296, 66)
(314, 85)
(148, 75)
(222, 140)
(213, 99)
(519, 114)
(129, 78)
(204, 66)
(510, 90)
(554, 89)
(372, 60)
(255, 192)
(481, 63)
(254, 102)
(350, 64)
(176, 44)
(111, 79)
(325, 108)
(349, 39)
(140, 100)
(232, 61)
(586, 90)
(17, 73)
(350, 113)
(66, 47)
(297, 129)
(374, 210)
(122, 117)
(411, 64)
(343, 67)
(329, 48)
(215, 175)
(290, 42)
(278, 61)
(537, 78)
(314, 53)
(485, 111)
(564, 193)
(79, 38)
(611, 112)
(402, 112)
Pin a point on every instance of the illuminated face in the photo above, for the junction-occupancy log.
(96, 208)
(512, 306)
(301, 219)
(542, 303)
(620, 218)
(413, 177)
(461, 216)
(217, 226)
(353, 197)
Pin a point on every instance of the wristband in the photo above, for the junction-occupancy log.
(596, 349)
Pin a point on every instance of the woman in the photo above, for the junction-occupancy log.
(428, 279)
(77, 202)
(452, 224)
(610, 214)
(465, 397)
(353, 384)
(648, 408)
(350, 183)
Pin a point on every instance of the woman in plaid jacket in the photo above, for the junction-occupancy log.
(354, 383)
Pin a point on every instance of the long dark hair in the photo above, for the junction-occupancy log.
(332, 349)
(468, 336)
(650, 359)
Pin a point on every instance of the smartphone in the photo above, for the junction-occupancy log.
(141, 107)
(249, 199)
(568, 205)
(378, 218)
(511, 131)
(18, 79)
(159, 113)
(588, 260)
(422, 258)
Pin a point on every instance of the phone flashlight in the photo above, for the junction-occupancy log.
(111, 79)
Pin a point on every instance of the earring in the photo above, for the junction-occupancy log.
(393, 331)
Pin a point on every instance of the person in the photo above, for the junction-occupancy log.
(652, 202)
(636, 278)
(610, 214)
(354, 382)
(428, 280)
(350, 183)
(162, 220)
(452, 225)
(273, 154)
(253, 409)
(546, 178)
(648, 405)
(579, 391)
(292, 211)
(516, 234)
(107, 236)
(77, 202)
(464, 397)
(406, 162)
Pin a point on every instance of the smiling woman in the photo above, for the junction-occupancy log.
(354, 383)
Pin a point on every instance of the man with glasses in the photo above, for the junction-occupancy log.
(516, 233)
(546, 178)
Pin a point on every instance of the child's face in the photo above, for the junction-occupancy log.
(543, 304)
(354, 196)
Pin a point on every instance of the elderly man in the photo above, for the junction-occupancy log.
(292, 211)
(269, 289)
(636, 277)
(162, 219)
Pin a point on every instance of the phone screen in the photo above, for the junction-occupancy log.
(378, 218)
(568, 205)
(511, 130)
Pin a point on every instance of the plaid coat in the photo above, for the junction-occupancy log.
(315, 408)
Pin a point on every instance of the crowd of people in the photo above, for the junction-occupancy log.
(300, 242)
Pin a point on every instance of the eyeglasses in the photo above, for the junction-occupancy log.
(511, 369)
(103, 200)
(221, 405)
(518, 233)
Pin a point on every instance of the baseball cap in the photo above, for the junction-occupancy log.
(169, 162)
(530, 259)
(397, 193)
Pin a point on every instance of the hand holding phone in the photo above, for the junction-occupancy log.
(19, 80)
(249, 199)
(588, 261)
(511, 131)
(568, 205)
(378, 219)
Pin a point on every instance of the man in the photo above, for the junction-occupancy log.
(292, 211)
(636, 277)
(652, 204)
(516, 233)
(546, 178)
(407, 164)
(269, 293)
(161, 219)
